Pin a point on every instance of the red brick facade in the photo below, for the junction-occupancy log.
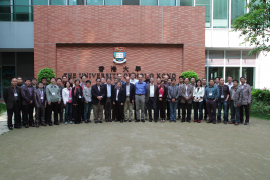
(79, 39)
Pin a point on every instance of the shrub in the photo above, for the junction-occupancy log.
(260, 102)
(47, 73)
(190, 74)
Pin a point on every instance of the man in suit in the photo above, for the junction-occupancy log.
(186, 91)
(98, 99)
(40, 104)
(44, 81)
(61, 105)
(118, 101)
(150, 99)
(109, 89)
(173, 94)
(27, 93)
(12, 96)
(245, 101)
(179, 105)
(129, 99)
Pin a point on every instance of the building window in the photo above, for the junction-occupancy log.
(58, 2)
(248, 60)
(112, 2)
(22, 11)
(186, 3)
(75, 2)
(131, 2)
(232, 71)
(216, 57)
(238, 9)
(233, 58)
(149, 2)
(167, 2)
(215, 72)
(39, 2)
(220, 14)
(248, 73)
(207, 4)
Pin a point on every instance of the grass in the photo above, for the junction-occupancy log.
(260, 115)
(3, 108)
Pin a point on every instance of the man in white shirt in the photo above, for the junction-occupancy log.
(150, 99)
(133, 81)
(230, 82)
(129, 99)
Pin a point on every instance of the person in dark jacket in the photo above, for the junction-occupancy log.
(27, 93)
(129, 91)
(12, 96)
(161, 95)
(77, 101)
(118, 100)
(40, 102)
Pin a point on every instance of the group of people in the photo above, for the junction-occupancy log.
(116, 100)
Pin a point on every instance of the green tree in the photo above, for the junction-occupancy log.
(255, 25)
(47, 73)
(190, 74)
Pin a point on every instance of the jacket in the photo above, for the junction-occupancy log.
(95, 93)
(131, 94)
(37, 98)
(198, 94)
(65, 95)
(211, 92)
(246, 94)
(121, 96)
(53, 93)
(77, 97)
(87, 94)
(238, 96)
(173, 92)
(189, 93)
(164, 95)
(26, 96)
(148, 92)
(9, 96)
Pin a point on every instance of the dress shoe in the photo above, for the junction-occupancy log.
(115, 120)
(225, 122)
(195, 120)
(150, 120)
(183, 120)
(33, 125)
(86, 121)
(219, 122)
(125, 120)
(110, 120)
(56, 123)
(174, 120)
(50, 124)
(37, 125)
(137, 121)
(129, 121)
(96, 122)
(121, 121)
(10, 128)
(106, 120)
(178, 118)
(236, 124)
(89, 121)
(26, 126)
(43, 124)
(231, 122)
(143, 120)
(100, 121)
(199, 121)
(170, 120)
(209, 122)
(246, 123)
(214, 122)
(188, 121)
(17, 127)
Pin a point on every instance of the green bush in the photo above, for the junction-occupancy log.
(190, 74)
(47, 73)
(3, 108)
(260, 102)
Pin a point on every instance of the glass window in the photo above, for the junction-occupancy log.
(39, 2)
(112, 2)
(167, 2)
(248, 60)
(8, 72)
(75, 2)
(233, 58)
(248, 73)
(94, 2)
(215, 72)
(58, 2)
(149, 2)
(23, 6)
(234, 72)
(186, 3)
(220, 14)
(237, 8)
(131, 2)
(4, 2)
(216, 57)
(8, 59)
(207, 4)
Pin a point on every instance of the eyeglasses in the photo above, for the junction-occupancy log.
(98, 81)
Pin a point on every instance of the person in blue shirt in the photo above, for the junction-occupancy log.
(140, 92)
(211, 96)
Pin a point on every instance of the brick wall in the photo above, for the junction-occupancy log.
(78, 39)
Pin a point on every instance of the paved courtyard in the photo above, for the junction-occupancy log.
(137, 151)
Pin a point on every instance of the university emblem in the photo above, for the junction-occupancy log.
(119, 55)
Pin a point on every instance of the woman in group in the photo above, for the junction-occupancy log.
(198, 93)
(87, 101)
(67, 100)
(161, 94)
(77, 101)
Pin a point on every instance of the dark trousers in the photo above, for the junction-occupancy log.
(82, 111)
(108, 109)
(198, 106)
(205, 109)
(68, 112)
(135, 109)
(162, 107)
(47, 114)
(247, 113)
(235, 113)
(16, 110)
(188, 107)
(211, 107)
(168, 110)
(60, 111)
(119, 109)
(53, 107)
(76, 111)
(28, 114)
(40, 114)
(152, 104)
(179, 106)
(113, 112)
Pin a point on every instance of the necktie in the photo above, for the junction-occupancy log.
(42, 95)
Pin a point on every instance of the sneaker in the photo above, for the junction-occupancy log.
(65, 123)
(70, 122)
